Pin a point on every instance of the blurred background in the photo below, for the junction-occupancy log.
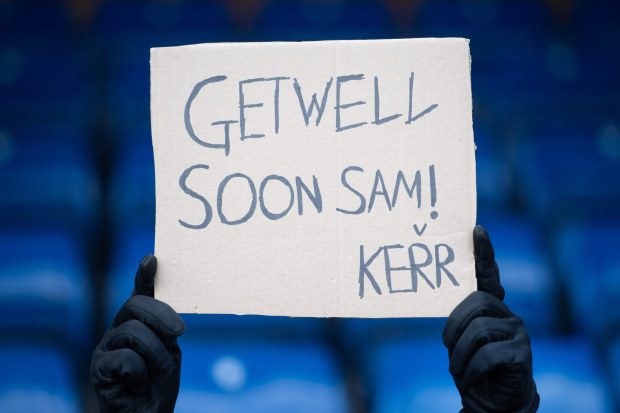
(77, 203)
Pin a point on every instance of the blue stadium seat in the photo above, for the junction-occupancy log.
(568, 167)
(128, 246)
(36, 378)
(47, 175)
(127, 27)
(595, 24)
(568, 377)
(132, 178)
(42, 72)
(525, 267)
(315, 20)
(361, 335)
(34, 16)
(563, 76)
(45, 290)
(508, 45)
(42, 80)
(126, 30)
(411, 375)
(495, 181)
(587, 257)
(490, 25)
(131, 243)
(612, 358)
(259, 376)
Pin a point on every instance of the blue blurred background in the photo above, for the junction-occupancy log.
(77, 203)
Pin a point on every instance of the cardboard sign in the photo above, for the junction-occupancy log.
(314, 178)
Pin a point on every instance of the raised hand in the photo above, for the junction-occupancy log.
(488, 345)
(137, 365)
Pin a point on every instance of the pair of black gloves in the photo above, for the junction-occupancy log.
(136, 367)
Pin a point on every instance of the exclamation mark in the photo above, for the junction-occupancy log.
(431, 173)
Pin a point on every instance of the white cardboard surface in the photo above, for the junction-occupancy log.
(400, 107)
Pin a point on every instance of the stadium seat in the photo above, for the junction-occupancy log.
(361, 335)
(612, 358)
(45, 290)
(128, 246)
(259, 376)
(411, 375)
(315, 20)
(597, 31)
(567, 167)
(587, 254)
(525, 266)
(43, 75)
(33, 16)
(495, 181)
(501, 32)
(47, 176)
(131, 194)
(126, 30)
(569, 377)
(36, 378)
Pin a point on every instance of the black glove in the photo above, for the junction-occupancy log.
(137, 365)
(488, 346)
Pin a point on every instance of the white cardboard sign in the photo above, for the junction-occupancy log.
(315, 178)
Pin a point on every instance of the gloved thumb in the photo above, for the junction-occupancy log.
(487, 272)
(145, 276)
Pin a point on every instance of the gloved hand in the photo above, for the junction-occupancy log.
(137, 365)
(488, 346)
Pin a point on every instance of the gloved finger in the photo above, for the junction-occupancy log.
(154, 313)
(487, 272)
(138, 337)
(477, 304)
(480, 332)
(118, 366)
(514, 354)
(145, 277)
